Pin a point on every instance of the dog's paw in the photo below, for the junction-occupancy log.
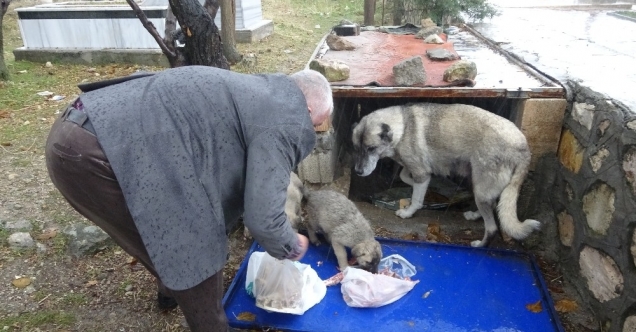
(404, 213)
(476, 244)
(472, 215)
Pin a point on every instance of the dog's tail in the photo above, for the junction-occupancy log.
(508, 206)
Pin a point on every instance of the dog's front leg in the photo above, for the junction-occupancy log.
(341, 255)
(419, 191)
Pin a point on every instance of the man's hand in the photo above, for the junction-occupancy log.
(303, 245)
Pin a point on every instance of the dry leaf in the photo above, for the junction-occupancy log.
(91, 283)
(188, 32)
(21, 282)
(132, 261)
(4, 115)
(246, 317)
(566, 306)
(535, 307)
(6, 144)
(47, 234)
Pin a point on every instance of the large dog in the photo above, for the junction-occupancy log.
(429, 138)
(334, 215)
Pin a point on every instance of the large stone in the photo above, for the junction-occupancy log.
(598, 158)
(409, 72)
(18, 225)
(584, 114)
(604, 279)
(337, 43)
(598, 205)
(630, 324)
(434, 39)
(86, 240)
(21, 240)
(629, 166)
(440, 54)
(570, 152)
(333, 70)
(566, 228)
(427, 23)
(425, 32)
(460, 70)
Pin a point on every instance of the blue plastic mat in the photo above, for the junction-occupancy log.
(461, 289)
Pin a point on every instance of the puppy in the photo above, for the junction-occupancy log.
(292, 204)
(334, 215)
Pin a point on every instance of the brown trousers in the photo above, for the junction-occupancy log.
(79, 169)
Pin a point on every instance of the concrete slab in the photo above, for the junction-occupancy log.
(581, 43)
(144, 57)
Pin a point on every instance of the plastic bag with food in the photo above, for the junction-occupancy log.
(283, 285)
(363, 289)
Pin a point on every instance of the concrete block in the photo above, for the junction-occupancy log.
(144, 57)
(541, 122)
(318, 167)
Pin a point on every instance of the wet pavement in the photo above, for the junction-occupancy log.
(584, 44)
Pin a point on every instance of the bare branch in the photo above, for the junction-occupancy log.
(151, 29)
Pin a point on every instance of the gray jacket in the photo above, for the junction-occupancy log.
(194, 147)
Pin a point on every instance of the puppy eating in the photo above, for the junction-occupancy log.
(335, 216)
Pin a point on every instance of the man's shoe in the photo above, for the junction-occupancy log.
(166, 302)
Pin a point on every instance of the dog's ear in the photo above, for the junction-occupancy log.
(386, 134)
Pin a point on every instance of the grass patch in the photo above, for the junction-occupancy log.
(628, 14)
(39, 319)
(74, 299)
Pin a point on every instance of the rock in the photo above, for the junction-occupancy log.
(629, 166)
(128, 288)
(18, 225)
(425, 32)
(337, 43)
(434, 39)
(427, 23)
(409, 72)
(86, 240)
(566, 228)
(462, 69)
(598, 206)
(584, 114)
(570, 152)
(440, 54)
(20, 240)
(333, 70)
(631, 125)
(597, 159)
(602, 127)
(48, 64)
(345, 22)
(604, 278)
(41, 248)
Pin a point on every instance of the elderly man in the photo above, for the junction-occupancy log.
(166, 163)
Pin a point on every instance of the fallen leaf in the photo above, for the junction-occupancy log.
(246, 317)
(4, 115)
(566, 306)
(91, 283)
(132, 261)
(47, 234)
(6, 144)
(21, 282)
(535, 307)
(188, 32)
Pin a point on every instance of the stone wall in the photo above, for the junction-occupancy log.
(590, 196)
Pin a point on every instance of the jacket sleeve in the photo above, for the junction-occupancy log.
(270, 159)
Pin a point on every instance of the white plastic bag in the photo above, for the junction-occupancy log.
(396, 266)
(363, 289)
(283, 285)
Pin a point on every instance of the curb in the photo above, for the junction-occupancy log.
(616, 14)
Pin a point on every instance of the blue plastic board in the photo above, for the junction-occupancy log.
(461, 289)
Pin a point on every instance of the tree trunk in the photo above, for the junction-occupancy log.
(202, 39)
(4, 72)
(228, 27)
(398, 12)
(369, 12)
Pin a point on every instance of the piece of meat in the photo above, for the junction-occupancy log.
(334, 280)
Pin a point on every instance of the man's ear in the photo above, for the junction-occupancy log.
(386, 134)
